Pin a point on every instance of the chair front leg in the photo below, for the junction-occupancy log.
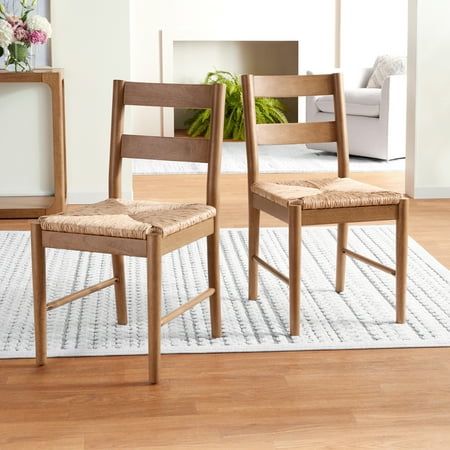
(119, 288)
(401, 260)
(39, 294)
(253, 250)
(154, 257)
(342, 238)
(295, 243)
(213, 243)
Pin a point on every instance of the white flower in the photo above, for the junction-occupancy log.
(6, 34)
(39, 23)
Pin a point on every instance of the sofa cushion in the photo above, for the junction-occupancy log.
(384, 67)
(358, 102)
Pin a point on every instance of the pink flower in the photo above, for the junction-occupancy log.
(37, 37)
(21, 34)
(15, 21)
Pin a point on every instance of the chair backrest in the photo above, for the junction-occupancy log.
(294, 133)
(204, 150)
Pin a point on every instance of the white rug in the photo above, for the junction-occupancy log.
(280, 159)
(362, 317)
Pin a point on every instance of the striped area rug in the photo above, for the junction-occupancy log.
(362, 317)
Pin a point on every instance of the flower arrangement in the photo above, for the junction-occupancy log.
(18, 33)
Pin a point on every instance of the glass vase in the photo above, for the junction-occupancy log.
(20, 58)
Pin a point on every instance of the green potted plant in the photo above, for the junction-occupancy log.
(268, 110)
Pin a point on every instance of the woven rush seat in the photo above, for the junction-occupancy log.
(128, 219)
(325, 193)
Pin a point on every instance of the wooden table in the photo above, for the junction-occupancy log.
(32, 207)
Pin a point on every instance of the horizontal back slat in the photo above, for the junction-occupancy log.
(293, 85)
(296, 133)
(165, 148)
(169, 95)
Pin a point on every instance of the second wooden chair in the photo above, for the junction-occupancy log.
(314, 202)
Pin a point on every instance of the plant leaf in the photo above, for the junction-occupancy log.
(268, 110)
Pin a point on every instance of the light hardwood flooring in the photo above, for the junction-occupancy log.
(358, 399)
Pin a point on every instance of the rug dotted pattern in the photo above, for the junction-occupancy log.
(361, 317)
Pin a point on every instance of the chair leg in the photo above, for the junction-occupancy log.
(154, 257)
(401, 260)
(253, 250)
(39, 293)
(213, 242)
(342, 237)
(119, 288)
(295, 243)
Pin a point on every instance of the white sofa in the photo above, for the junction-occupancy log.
(376, 118)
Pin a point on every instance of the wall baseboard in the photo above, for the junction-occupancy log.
(429, 192)
(83, 198)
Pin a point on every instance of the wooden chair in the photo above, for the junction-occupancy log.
(333, 200)
(140, 228)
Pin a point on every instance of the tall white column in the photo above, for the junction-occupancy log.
(428, 140)
(91, 41)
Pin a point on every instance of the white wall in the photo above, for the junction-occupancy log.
(91, 41)
(192, 60)
(370, 28)
(428, 139)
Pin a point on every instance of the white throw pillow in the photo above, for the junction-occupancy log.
(384, 67)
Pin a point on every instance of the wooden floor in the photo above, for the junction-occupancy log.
(358, 399)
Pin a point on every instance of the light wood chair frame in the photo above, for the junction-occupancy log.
(204, 150)
(293, 215)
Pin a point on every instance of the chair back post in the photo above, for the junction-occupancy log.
(341, 127)
(215, 145)
(115, 156)
(250, 129)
